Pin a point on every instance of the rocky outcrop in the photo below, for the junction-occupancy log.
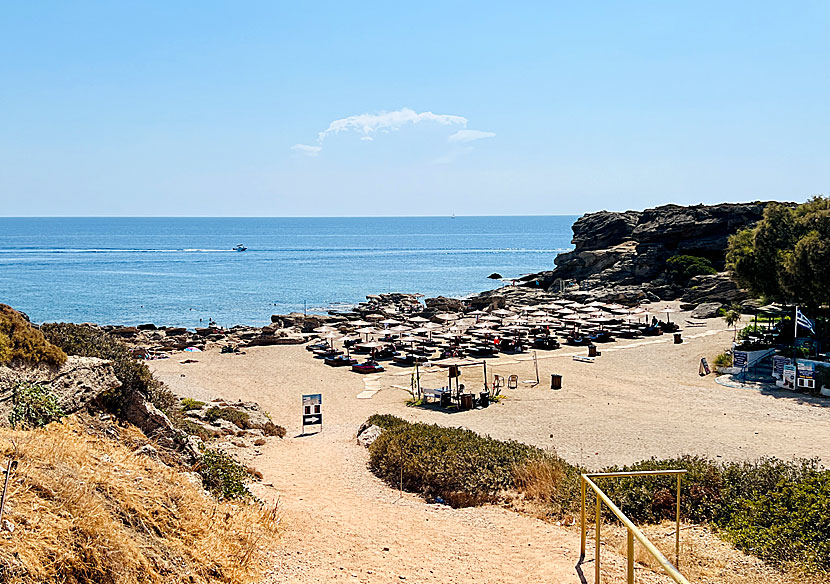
(76, 383)
(622, 257)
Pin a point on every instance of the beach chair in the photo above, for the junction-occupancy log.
(498, 381)
(513, 382)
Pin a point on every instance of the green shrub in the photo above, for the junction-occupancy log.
(457, 465)
(90, 341)
(20, 341)
(683, 268)
(723, 360)
(189, 404)
(232, 415)
(34, 406)
(223, 476)
(788, 524)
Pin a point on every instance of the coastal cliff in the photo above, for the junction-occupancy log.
(624, 256)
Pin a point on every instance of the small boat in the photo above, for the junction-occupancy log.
(240, 247)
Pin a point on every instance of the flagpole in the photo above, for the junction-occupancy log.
(795, 350)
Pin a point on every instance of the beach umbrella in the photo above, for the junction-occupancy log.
(374, 316)
(324, 329)
(390, 321)
(418, 319)
(539, 313)
(668, 310)
(615, 307)
(502, 312)
(193, 350)
(491, 318)
(446, 316)
(431, 325)
(476, 313)
(597, 303)
(358, 322)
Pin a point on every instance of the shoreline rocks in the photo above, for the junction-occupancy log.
(621, 257)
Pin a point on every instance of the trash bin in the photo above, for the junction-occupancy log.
(466, 401)
(677, 339)
(446, 399)
(592, 350)
(555, 381)
(484, 399)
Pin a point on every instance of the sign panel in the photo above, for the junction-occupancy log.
(788, 376)
(806, 370)
(778, 363)
(313, 409)
(739, 359)
(704, 367)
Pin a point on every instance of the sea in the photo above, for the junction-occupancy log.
(184, 271)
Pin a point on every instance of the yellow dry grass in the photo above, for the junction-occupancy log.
(88, 509)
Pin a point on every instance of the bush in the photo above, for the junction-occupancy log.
(223, 476)
(34, 406)
(272, 429)
(789, 524)
(457, 465)
(232, 415)
(683, 268)
(90, 341)
(723, 360)
(189, 404)
(20, 341)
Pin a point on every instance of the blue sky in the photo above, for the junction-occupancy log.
(304, 109)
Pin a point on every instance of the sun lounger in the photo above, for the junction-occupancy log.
(695, 323)
(582, 359)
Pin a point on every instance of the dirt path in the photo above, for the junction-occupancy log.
(344, 525)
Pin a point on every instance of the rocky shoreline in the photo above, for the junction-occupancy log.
(618, 257)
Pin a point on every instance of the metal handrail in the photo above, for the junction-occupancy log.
(632, 531)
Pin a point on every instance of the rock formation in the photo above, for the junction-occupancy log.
(622, 257)
(76, 383)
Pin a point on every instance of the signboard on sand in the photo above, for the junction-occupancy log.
(704, 367)
(313, 410)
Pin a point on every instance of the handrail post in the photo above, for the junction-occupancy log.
(582, 516)
(630, 557)
(677, 527)
(596, 555)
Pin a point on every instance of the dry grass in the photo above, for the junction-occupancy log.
(704, 557)
(87, 509)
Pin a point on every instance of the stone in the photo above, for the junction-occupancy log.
(707, 310)
(714, 288)
(76, 383)
(632, 248)
(495, 276)
(368, 435)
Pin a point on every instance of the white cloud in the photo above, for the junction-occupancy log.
(306, 149)
(368, 124)
(462, 136)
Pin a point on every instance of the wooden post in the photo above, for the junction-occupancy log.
(629, 574)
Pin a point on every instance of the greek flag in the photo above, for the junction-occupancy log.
(802, 320)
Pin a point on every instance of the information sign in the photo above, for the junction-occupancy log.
(313, 410)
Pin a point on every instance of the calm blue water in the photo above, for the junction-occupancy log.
(175, 271)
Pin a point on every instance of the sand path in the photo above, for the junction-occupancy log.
(639, 399)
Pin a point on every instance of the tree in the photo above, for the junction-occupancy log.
(732, 316)
(786, 256)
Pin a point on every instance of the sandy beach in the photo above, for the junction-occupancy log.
(639, 399)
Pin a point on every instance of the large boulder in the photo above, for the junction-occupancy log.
(707, 310)
(714, 288)
(76, 383)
